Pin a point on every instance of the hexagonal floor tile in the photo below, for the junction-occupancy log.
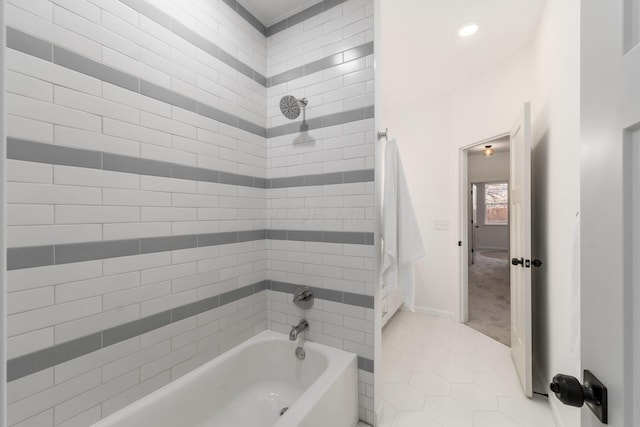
(476, 362)
(390, 354)
(499, 385)
(448, 412)
(474, 397)
(529, 412)
(493, 419)
(430, 384)
(438, 354)
(417, 362)
(459, 346)
(387, 414)
(394, 372)
(403, 397)
(454, 373)
(414, 419)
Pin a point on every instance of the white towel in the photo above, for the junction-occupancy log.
(402, 241)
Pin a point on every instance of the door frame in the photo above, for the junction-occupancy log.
(463, 209)
(3, 223)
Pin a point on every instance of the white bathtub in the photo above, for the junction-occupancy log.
(250, 384)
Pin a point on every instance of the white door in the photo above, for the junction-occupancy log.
(520, 247)
(473, 225)
(610, 138)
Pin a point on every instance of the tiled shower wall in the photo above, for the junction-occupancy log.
(152, 224)
(328, 59)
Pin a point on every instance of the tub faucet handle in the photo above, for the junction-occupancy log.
(303, 297)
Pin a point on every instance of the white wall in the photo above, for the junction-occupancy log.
(430, 133)
(488, 169)
(556, 185)
(430, 137)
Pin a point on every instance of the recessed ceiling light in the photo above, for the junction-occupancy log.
(468, 29)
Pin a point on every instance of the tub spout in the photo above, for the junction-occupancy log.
(295, 330)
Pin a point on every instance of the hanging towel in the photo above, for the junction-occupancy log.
(402, 241)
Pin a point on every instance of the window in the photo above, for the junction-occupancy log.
(496, 203)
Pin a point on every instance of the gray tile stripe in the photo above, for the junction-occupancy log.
(197, 40)
(27, 150)
(347, 237)
(28, 364)
(46, 358)
(321, 122)
(365, 364)
(255, 22)
(33, 46)
(322, 64)
(307, 13)
(33, 362)
(366, 175)
(40, 256)
(25, 43)
(32, 151)
(359, 300)
(147, 9)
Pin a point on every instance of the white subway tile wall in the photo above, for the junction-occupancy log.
(139, 90)
(332, 207)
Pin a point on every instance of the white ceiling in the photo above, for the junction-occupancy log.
(442, 61)
(425, 32)
(271, 11)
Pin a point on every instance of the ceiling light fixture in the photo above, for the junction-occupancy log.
(488, 151)
(468, 29)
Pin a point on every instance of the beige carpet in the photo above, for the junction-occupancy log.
(489, 296)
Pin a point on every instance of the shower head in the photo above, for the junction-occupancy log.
(290, 106)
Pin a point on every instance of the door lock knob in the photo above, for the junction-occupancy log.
(570, 392)
(516, 261)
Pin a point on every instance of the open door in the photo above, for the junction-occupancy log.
(609, 204)
(520, 247)
(473, 225)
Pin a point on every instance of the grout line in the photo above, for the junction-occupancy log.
(32, 151)
(67, 253)
(30, 363)
(29, 45)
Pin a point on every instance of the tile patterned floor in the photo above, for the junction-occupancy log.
(439, 373)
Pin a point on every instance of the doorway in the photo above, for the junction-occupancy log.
(486, 282)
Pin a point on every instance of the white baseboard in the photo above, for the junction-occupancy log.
(491, 248)
(435, 312)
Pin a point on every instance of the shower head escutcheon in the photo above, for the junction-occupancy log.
(290, 106)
